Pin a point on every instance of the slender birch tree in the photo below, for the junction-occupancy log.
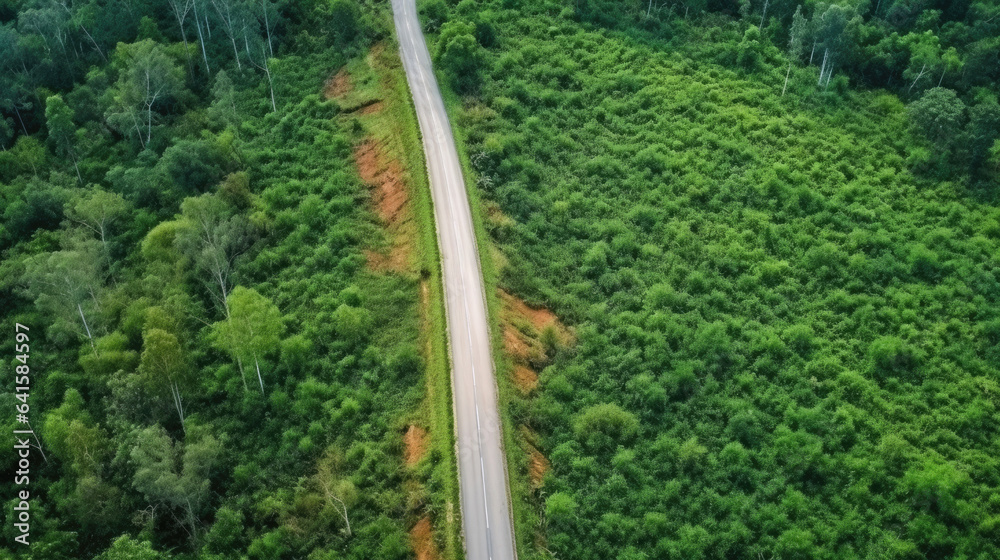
(163, 366)
(147, 79)
(253, 329)
(213, 238)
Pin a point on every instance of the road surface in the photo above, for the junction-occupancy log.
(482, 469)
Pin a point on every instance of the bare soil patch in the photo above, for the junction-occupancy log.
(385, 175)
(338, 85)
(422, 539)
(538, 467)
(391, 201)
(416, 441)
(525, 379)
(538, 464)
(523, 326)
(397, 259)
(371, 108)
(517, 345)
(538, 317)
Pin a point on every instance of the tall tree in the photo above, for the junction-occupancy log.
(255, 49)
(83, 449)
(174, 474)
(231, 14)
(73, 436)
(62, 131)
(925, 56)
(951, 61)
(265, 66)
(833, 30)
(337, 491)
(254, 328)
(147, 78)
(270, 15)
(67, 282)
(181, 9)
(982, 130)
(213, 237)
(16, 83)
(96, 210)
(200, 9)
(939, 116)
(796, 42)
(164, 366)
(81, 16)
(49, 23)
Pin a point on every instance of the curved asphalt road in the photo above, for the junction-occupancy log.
(481, 465)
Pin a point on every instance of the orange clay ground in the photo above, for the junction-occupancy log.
(422, 539)
(386, 178)
(523, 327)
(416, 443)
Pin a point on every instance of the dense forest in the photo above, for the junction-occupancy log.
(773, 227)
(215, 371)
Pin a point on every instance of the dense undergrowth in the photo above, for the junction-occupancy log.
(785, 301)
(215, 371)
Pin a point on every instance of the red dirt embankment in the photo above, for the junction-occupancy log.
(524, 329)
(416, 443)
(523, 326)
(391, 200)
(422, 539)
(382, 172)
(338, 85)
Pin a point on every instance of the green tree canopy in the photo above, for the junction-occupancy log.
(164, 366)
(175, 474)
(604, 424)
(148, 79)
(254, 329)
(128, 548)
(460, 55)
(939, 116)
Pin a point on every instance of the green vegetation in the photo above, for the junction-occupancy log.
(216, 373)
(381, 76)
(775, 235)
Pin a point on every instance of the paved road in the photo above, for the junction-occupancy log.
(481, 465)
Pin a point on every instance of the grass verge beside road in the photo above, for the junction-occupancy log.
(393, 127)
